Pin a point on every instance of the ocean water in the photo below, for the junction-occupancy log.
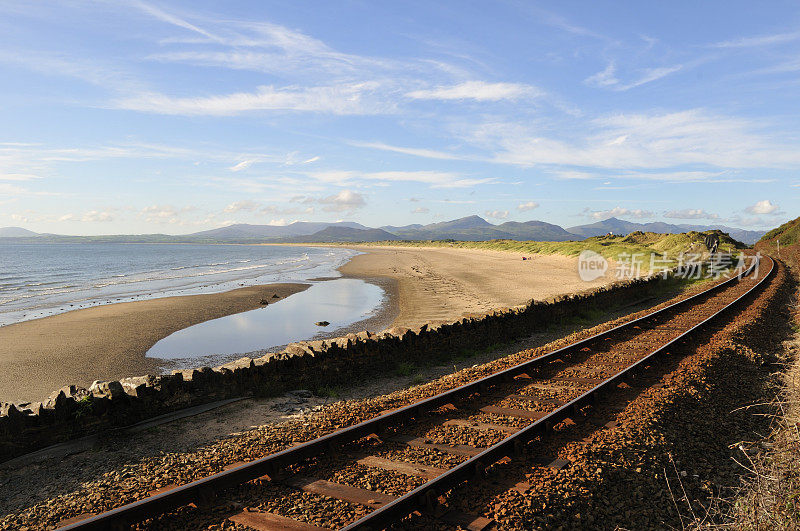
(37, 280)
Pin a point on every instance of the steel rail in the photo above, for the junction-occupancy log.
(204, 489)
(413, 500)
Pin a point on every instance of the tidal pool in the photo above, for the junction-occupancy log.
(341, 302)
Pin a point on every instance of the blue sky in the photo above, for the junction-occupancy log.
(173, 117)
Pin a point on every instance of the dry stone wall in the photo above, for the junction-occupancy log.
(73, 411)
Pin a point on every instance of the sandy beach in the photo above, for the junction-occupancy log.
(108, 342)
(441, 284)
(424, 285)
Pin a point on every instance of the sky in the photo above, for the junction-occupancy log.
(131, 116)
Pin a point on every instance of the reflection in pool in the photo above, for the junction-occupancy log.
(341, 302)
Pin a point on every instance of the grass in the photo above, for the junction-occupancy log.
(404, 369)
(788, 233)
(329, 391)
(85, 409)
(770, 497)
(665, 247)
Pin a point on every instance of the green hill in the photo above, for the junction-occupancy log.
(664, 246)
(787, 234)
(783, 242)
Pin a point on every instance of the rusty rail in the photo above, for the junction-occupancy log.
(269, 465)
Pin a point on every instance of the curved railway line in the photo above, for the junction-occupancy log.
(422, 451)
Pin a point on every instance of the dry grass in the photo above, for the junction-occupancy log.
(769, 497)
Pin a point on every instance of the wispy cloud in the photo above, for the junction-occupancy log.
(246, 205)
(690, 213)
(417, 152)
(243, 165)
(18, 177)
(92, 216)
(607, 78)
(636, 213)
(640, 141)
(92, 71)
(436, 179)
(341, 100)
(172, 19)
(758, 41)
(478, 91)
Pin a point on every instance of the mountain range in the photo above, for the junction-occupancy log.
(470, 228)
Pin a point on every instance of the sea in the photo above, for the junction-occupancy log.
(39, 280)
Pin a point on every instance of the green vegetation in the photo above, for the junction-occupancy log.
(329, 391)
(404, 369)
(783, 242)
(664, 246)
(788, 233)
(418, 379)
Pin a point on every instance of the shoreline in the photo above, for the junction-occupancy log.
(109, 342)
(436, 285)
(421, 286)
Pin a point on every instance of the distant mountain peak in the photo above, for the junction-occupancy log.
(16, 232)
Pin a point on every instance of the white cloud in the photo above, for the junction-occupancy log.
(172, 19)
(750, 221)
(18, 177)
(272, 209)
(476, 90)
(346, 99)
(344, 201)
(242, 165)
(245, 205)
(651, 141)
(574, 175)
(95, 216)
(607, 78)
(497, 214)
(436, 179)
(604, 78)
(690, 213)
(272, 48)
(417, 152)
(160, 214)
(762, 207)
(92, 216)
(11, 189)
(525, 207)
(421, 210)
(620, 211)
(754, 42)
(54, 64)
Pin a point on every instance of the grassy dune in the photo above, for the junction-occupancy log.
(667, 246)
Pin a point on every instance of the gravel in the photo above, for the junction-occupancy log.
(556, 497)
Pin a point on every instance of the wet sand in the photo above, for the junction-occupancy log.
(441, 284)
(108, 342)
(424, 285)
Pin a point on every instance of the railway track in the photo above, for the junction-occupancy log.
(379, 471)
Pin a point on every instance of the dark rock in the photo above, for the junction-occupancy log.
(322, 323)
(301, 393)
(276, 296)
(264, 302)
